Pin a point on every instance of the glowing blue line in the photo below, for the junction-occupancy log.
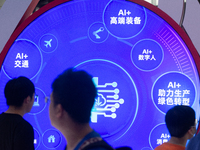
(5, 72)
(37, 124)
(40, 72)
(106, 91)
(79, 39)
(123, 41)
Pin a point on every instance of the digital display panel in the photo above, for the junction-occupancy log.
(140, 64)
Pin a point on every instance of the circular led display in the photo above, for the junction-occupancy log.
(140, 59)
(159, 135)
(117, 101)
(147, 55)
(125, 23)
(22, 60)
(173, 88)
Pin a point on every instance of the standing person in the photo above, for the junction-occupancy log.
(180, 121)
(15, 132)
(72, 99)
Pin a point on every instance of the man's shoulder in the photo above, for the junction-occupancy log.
(16, 120)
(25, 125)
(164, 146)
(94, 141)
(169, 146)
(159, 147)
(6, 118)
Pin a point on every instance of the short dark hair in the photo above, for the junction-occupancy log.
(76, 92)
(179, 120)
(17, 89)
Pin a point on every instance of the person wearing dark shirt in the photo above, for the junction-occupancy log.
(15, 132)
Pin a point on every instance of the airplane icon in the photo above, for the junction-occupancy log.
(48, 43)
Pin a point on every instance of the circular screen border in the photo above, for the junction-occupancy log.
(147, 5)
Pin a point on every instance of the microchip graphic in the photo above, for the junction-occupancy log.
(107, 101)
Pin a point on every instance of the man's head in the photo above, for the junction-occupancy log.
(76, 93)
(17, 90)
(179, 120)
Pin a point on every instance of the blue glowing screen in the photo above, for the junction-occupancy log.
(139, 64)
